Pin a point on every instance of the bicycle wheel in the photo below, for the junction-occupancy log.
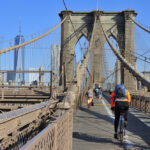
(122, 136)
(121, 132)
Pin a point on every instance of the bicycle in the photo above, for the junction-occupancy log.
(121, 128)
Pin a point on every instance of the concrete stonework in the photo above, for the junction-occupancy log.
(116, 24)
(117, 72)
(82, 23)
(97, 48)
(129, 80)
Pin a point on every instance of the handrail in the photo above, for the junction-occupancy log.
(9, 119)
(53, 137)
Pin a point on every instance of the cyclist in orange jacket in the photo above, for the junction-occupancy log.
(120, 100)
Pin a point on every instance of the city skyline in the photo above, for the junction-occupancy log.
(41, 20)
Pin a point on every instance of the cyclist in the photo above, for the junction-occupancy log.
(120, 100)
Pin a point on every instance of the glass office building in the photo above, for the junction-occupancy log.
(19, 58)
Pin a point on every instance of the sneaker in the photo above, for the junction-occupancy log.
(125, 124)
(116, 136)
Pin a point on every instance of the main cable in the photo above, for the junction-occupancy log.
(71, 23)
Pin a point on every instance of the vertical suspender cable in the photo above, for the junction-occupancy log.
(129, 66)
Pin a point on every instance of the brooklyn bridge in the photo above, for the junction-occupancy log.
(43, 104)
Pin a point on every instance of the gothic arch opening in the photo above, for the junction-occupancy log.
(111, 65)
(116, 23)
(79, 50)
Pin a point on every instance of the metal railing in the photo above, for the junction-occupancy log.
(57, 136)
(141, 101)
(17, 126)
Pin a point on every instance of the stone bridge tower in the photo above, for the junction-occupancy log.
(116, 24)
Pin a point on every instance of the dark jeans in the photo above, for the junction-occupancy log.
(120, 107)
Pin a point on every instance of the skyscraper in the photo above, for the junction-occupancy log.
(19, 55)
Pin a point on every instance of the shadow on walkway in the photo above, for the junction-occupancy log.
(137, 127)
(89, 138)
(96, 114)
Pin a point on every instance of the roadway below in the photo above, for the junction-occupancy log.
(93, 129)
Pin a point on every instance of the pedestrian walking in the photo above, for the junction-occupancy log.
(89, 95)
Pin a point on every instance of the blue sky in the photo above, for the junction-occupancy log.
(38, 15)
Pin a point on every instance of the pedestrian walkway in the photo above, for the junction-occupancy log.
(93, 130)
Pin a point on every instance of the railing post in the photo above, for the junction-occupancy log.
(68, 119)
(145, 105)
(141, 103)
(78, 76)
(138, 98)
(63, 78)
(2, 84)
(148, 107)
(55, 138)
(70, 127)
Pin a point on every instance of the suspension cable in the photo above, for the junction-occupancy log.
(129, 66)
(86, 58)
(112, 74)
(120, 68)
(31, 41)
(140, 55)
(129, 52)
(140, 25)
(71, 23)
(88, 72)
